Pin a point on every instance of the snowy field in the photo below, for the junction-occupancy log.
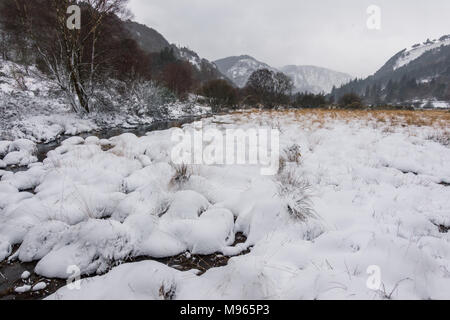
(360, 209)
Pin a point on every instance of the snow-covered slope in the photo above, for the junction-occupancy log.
(204, 69)
(151, 41)
(148, 39)
(417, 50)
(416, 76)
(315, 79)
(239, 69)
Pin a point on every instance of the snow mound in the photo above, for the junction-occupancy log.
(19, 152)
(91, 246)
(140, 281)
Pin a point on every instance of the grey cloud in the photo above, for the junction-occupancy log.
(326, 33)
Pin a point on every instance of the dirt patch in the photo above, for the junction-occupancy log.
(15, 169)
(107, 147)
(409, 172)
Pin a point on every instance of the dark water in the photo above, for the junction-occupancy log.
(10, 272)
(139, 131)
(44, 148)
(10, 278)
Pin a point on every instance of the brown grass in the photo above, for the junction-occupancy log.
(319, 117)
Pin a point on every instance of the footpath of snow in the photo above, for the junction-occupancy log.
(95, 208)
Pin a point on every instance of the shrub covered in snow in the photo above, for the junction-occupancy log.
(149, 99)
(19, 152)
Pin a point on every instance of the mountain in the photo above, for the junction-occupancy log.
(203, 68)
(315, 79)
(422, 61)
(414, 75)
(416, 51)
(239, 68)
(306, 78)
(151, 41)
(148, 39)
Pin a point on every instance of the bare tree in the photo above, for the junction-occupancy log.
(260, 84)
(4, 45)
(269, 87)
(69, 53)
(283, 86)
(178, 78)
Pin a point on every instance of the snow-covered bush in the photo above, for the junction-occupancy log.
(19, 78)
(293, 189)
(442, 138)
(182, 174)
(293, 153)
(19, 152)
(149, 99)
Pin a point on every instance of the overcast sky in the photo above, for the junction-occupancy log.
(327, 33)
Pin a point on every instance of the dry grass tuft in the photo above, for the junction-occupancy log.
(167, 293)
(441, 137)
(182, 174)
(293, 154)
(294, 190)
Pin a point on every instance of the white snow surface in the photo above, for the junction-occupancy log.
(375, 193)
(436, 104)
(39, 286)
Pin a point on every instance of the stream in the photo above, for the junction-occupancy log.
(139, 131)
(11, 271)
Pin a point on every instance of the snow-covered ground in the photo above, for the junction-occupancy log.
(436, 104)
(370, 192)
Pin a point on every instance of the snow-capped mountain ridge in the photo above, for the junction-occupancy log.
(151, 41)
(306, 78)
(315, 79)
(240, 68)
(417, 50)
(417, 76)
